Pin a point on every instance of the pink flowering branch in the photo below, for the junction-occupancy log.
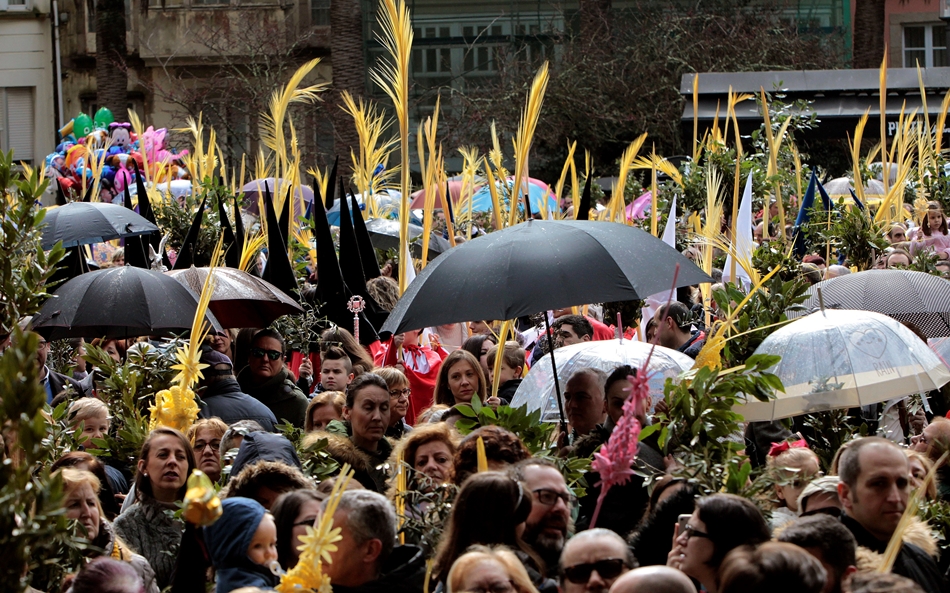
(614, 462)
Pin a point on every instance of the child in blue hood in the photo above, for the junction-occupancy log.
(243, 544)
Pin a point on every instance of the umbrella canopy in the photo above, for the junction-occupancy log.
(385, 235)
(540, 265)
(81, 223)
(537, 388)
(916, 297)
(942, 347)
(842, 186)
(455, 191)
(845, 359)
(239, 299)
(538, 192)
(119, 302)
(255, 189)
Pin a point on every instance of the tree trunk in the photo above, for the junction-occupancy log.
(869, 34)
(112, 77)
(349, 70)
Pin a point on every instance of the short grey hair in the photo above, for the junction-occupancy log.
(370, 515)
(629, 559)
(595, 374)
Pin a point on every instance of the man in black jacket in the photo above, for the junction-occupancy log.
(874, 489)
(366, 559)
(222, 396)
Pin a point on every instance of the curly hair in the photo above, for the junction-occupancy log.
(501, 446)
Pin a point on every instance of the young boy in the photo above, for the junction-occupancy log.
(336, 370)
(243, 544)
(512, 366)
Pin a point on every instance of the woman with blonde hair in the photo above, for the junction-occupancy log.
(324, 407)
(489, 570)
(81, 490)
(399, 393)
(430, 451)
(205, 437)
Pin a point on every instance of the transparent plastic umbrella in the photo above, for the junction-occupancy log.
(841, 358)
(537, 388)
(942, 347)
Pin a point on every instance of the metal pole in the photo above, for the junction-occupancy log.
(557, 384)
(57, 60)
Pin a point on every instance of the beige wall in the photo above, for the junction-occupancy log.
(26, 55)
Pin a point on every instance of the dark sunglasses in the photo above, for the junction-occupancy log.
(579, 574)
(261, 353)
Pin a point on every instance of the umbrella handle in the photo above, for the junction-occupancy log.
(557, 384)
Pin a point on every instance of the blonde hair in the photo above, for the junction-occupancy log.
(499, 555)
(422, 434)
(332, 398)
(74, 478)
(215, 424)
(794, 457)
(85, 408)
(392, 376)
(931, 492)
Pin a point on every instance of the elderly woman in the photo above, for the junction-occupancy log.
(81, 489)
(205, 437)
(430, 451)
(164, 465)
(399, 392)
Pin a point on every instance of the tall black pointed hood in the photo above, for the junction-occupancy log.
(367, 251)
(136, 252)
(278, 270)
(189, 247)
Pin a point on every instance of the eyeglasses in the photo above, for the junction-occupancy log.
(499, 587)
(549, 497)
(200, 445)
(400, 393)
(609, 568)
(261, 353)
(691, 532)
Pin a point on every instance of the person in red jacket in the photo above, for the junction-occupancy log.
(418, 362)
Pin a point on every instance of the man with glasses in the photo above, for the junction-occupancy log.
(592, 560)
(267, 380)
(548, 526)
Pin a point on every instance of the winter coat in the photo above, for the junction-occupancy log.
(265, 460)
(623, 507)
(371, 468)
(228, 540)
(404, 571)
(225, 400)
(114, 548)
(279, 393)
(506, 391)
(150, 528)
(912, 561)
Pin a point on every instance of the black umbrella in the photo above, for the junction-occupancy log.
(540, 265)
(80, 223)
(384, 234)
(118, 303)
(537, 266)
(916, 297)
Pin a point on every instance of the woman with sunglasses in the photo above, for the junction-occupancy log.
(720, 523)
(268, 380)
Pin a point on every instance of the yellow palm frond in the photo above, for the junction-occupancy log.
(616, 206)
(525, 134)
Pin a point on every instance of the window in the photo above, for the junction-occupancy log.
(210, 2)
(16, 5)
(926, 45)
(319, 13)
(16, 122)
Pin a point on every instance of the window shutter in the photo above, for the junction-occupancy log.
(20, 122)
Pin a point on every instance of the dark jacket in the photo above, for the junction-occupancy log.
(506, 391)
(912, 562)
(371, 468)
(225, 400)
(694, 344)
(228, 540)
(403, 572)
(264, 459)
(624, 505)
(279, 393)
(398, 430)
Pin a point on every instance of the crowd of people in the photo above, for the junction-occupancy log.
(516, 525)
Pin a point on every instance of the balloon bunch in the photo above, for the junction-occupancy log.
(101, 148)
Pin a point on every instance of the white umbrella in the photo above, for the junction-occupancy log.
(537, 388)
(840, 358)
(842, 186)
(942, 347)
